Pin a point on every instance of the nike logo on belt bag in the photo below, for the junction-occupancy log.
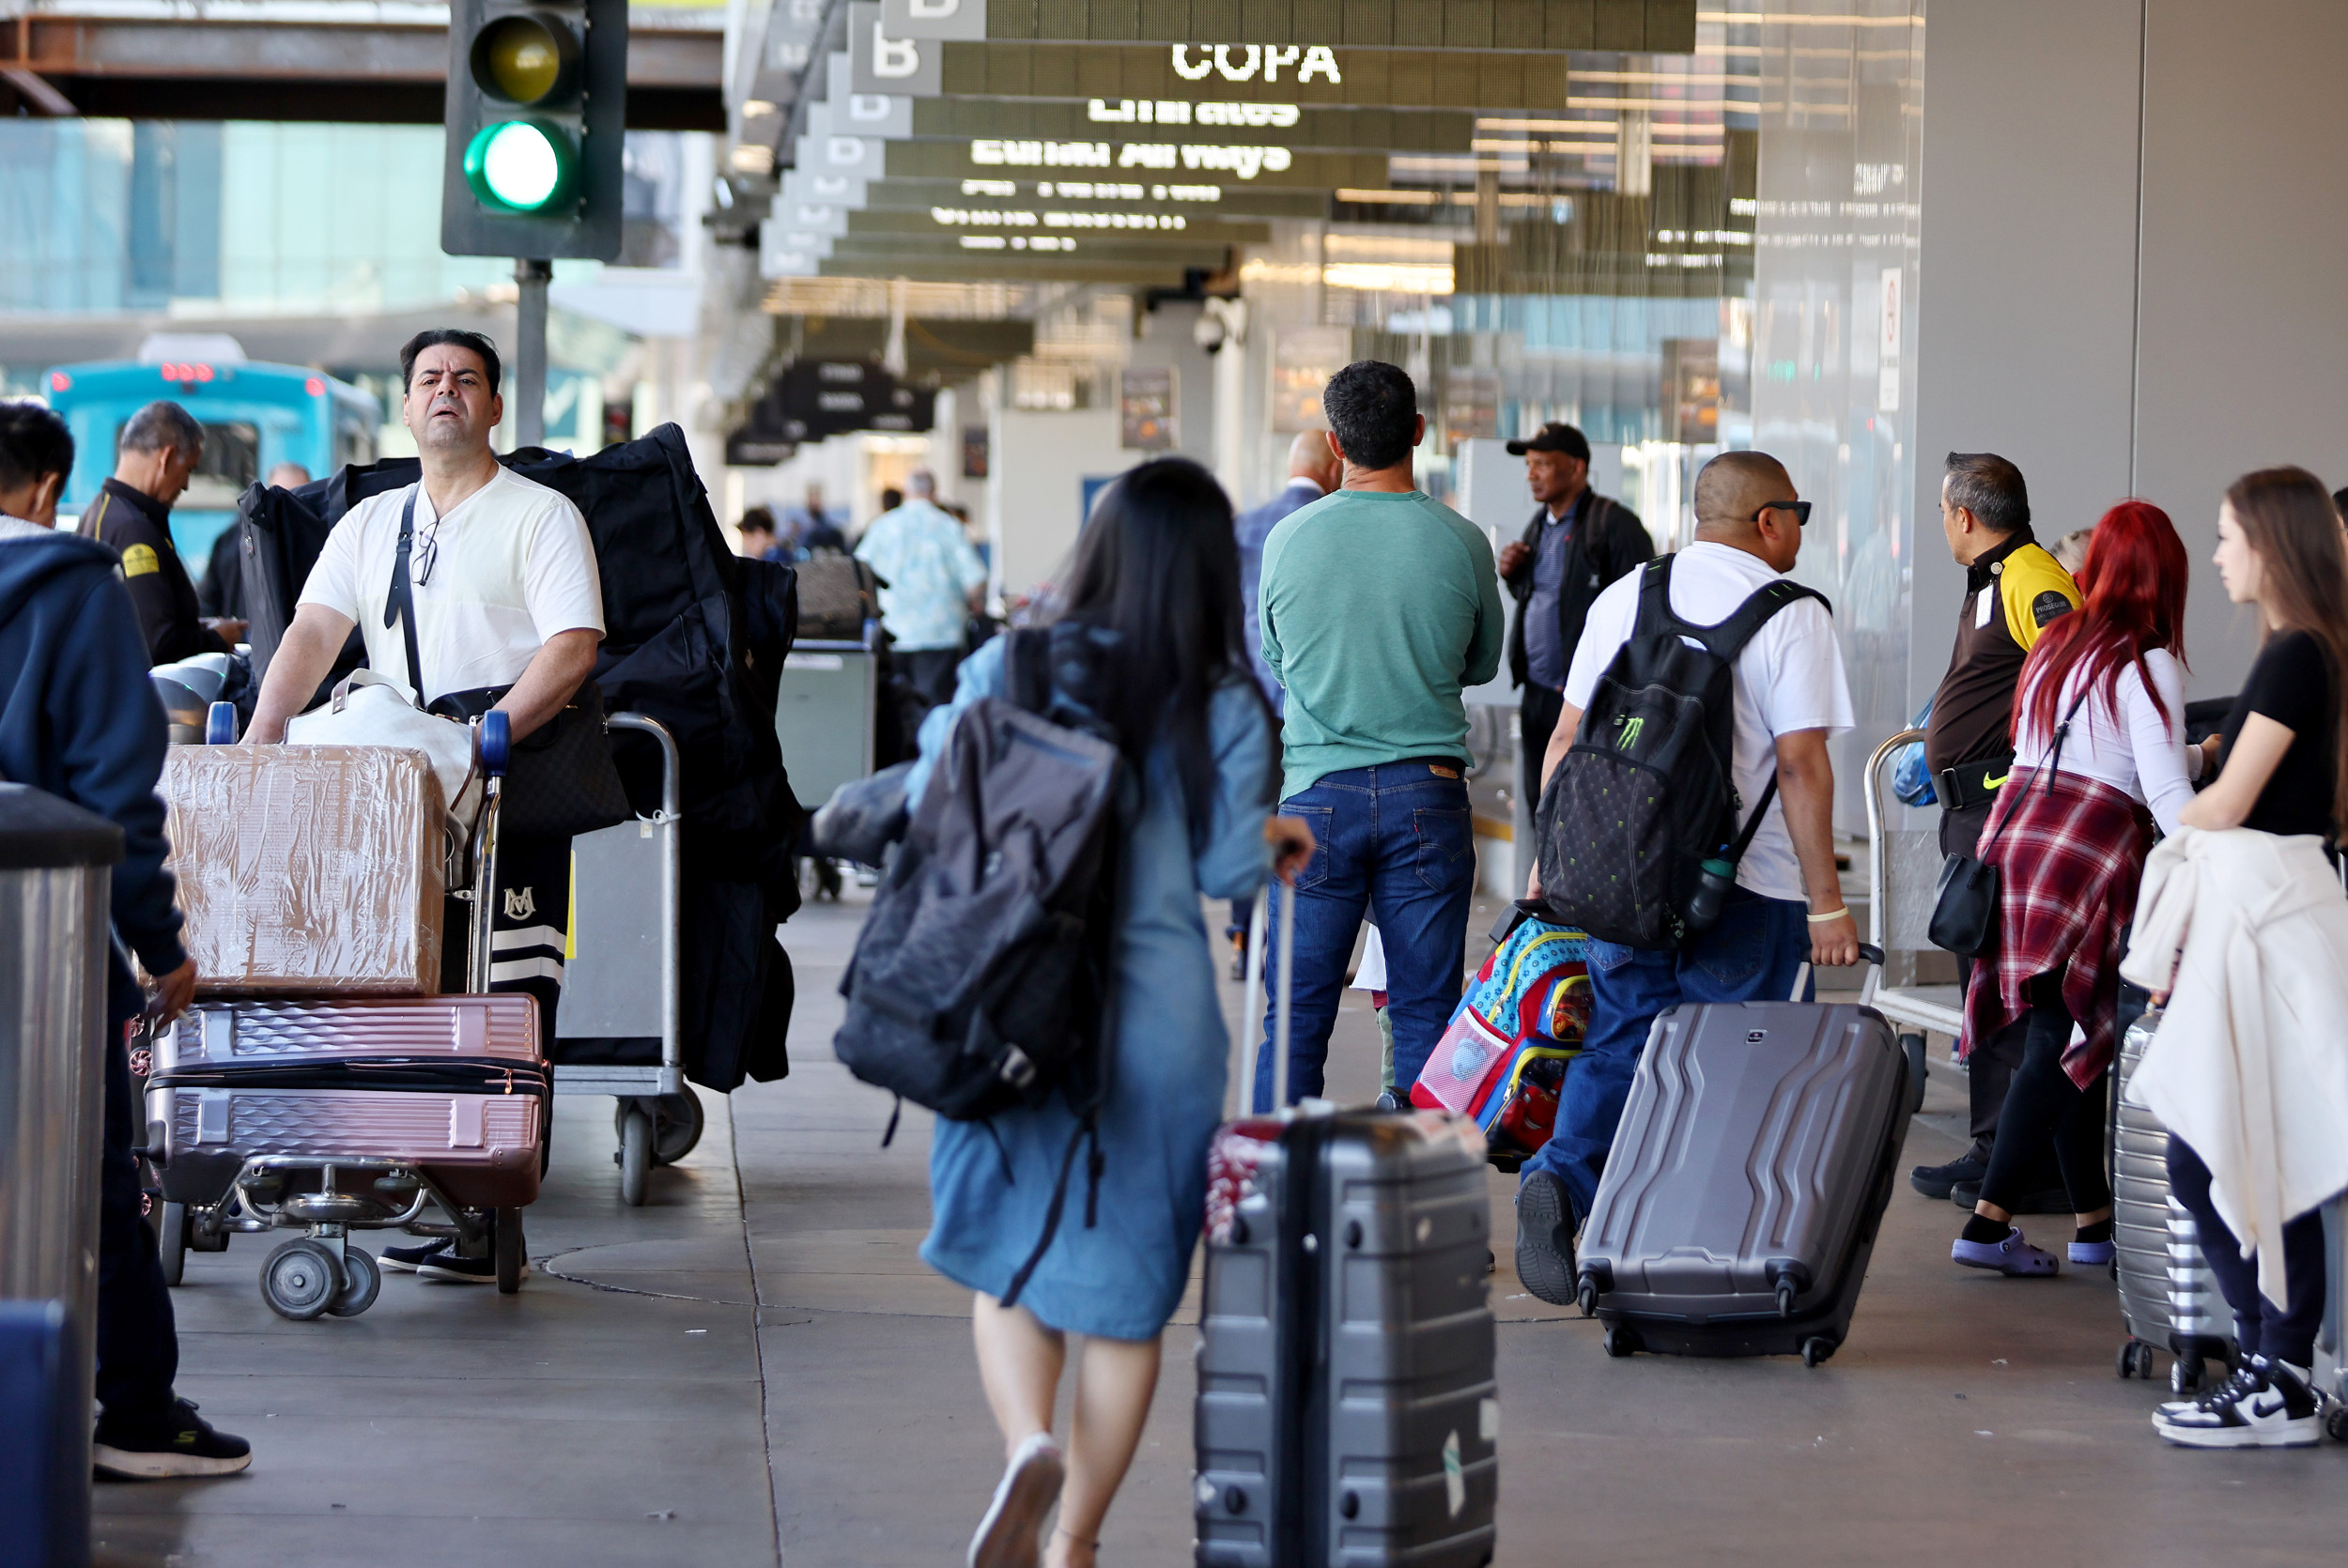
(1990, 783)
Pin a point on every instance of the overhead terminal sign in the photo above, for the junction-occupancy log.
(1154, 163)
(1285, 125)
(1649, 27)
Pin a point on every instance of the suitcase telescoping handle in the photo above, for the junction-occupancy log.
(1869, 952)
(1274, 889)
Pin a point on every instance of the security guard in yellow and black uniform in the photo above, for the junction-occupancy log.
(2014, 589)
(132, 514)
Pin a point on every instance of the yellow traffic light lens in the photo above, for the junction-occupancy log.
(519, 165)
(523, 58)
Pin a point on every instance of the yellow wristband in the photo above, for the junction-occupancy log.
(1830, 915)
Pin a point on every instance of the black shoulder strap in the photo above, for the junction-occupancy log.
(400, 607)
(1027, 668)
(1726, 640)
(1655, 600)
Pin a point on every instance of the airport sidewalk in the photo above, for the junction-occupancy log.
(632, 1406)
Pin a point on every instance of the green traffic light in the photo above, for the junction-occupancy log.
(519, 165)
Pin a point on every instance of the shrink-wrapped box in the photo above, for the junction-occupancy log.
(308, 869)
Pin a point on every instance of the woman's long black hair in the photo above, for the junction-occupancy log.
(1158, 565)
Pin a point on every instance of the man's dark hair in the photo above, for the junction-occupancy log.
(34, 445)
(1990, 489)
(478, 342)
(891, 499)
(757, 520)
(160, 424)
(1372, 407)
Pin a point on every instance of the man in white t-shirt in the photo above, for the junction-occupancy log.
(1787, 906)
(506, 593)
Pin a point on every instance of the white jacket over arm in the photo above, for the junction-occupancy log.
(2247, 932)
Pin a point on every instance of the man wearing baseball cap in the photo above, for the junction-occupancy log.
(1577, 543)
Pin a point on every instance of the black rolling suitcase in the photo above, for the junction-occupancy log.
(1347, 1412)
(1749, 1175)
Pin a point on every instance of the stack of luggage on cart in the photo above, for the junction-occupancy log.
(347, 1066)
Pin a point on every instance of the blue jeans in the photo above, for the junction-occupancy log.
(1752, 955)
(1394, 840)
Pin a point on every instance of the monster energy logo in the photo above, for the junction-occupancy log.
(1631, 727)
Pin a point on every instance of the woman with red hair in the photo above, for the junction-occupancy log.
(2101, 711)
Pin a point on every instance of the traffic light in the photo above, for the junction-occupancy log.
(537, 109)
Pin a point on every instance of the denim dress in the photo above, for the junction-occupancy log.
(990, 1183)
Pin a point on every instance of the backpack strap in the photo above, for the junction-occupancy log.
(1027, 668)
(1723, 639)
(400, 604)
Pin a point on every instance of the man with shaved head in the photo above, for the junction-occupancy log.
(1789, 696)
(1313, 472)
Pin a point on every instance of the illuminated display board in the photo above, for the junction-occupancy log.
(1171, 162)
(1270, 124)
(1654, 26)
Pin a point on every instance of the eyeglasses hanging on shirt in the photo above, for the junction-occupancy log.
(428, 551)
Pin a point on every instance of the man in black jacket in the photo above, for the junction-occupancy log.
(1577, 543)
(78, 720)
(160, 447)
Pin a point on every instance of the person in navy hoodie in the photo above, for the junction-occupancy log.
(79, 720)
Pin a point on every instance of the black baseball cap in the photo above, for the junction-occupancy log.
(1554, 438)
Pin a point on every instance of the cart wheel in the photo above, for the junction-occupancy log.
(677, 1122)
(509, 1251)
(362, 1279)
(2336, 1422)
(1817, 1348)
(1914, 1046)
(171, 1239)
(635, 1153)
(301, 1279)
(202, 1237)
(1621, 1341)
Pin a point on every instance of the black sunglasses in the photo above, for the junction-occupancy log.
(1800, 509)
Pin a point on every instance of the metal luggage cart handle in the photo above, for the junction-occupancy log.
(1878, 892)
(672, 812)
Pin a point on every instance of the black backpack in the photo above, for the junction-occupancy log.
(1644, 797)
(980, 981)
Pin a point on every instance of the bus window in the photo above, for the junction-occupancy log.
(231, 461)
(353, 442)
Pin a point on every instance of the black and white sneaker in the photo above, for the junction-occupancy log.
(2233, 1385)
(182, 1444)
(1544, 1226)
(2267, 1403)
(410, 1260)
(463, 1271)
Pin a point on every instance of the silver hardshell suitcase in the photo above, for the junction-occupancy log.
(1749, 1175)
(2169, 1298)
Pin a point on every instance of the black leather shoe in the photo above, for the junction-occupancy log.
(1965, 1194)
(1933, 1182)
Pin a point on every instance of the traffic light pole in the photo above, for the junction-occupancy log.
(529, 352)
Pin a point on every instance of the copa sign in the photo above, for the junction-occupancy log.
(905, 54)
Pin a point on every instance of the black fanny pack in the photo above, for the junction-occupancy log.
(561, 780)
(1970, 784)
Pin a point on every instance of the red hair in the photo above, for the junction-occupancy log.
(2134, 586)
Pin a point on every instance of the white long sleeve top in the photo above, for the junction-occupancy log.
(2134, 750)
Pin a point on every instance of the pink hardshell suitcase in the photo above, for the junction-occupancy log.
(452, 1084)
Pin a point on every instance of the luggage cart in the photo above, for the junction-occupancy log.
(1903, 880)
(621, 977)
(329, 1196)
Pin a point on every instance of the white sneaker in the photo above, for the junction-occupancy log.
(1011, 1535)
(2271, 1408)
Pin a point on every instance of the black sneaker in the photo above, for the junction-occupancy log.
(463, 1271)
(183, 1444)
(410, 1260)
(1545, 1227)
(2054, 1200)
(2270, 1408)
(1933, 1182)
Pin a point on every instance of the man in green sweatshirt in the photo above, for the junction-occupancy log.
(1378, 607)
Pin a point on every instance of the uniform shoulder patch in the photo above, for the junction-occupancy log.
(2047, 606)
(139, 560)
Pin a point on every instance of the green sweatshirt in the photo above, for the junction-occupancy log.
(1377, 611)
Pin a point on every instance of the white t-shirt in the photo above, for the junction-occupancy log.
(2135, 750)
(1788, 677)
(515, 565)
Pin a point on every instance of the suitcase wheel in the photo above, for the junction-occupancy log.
(1817, 1348)
(2336, 1422)
(1622, 1340)
(2136, 1360)
(301, 1279)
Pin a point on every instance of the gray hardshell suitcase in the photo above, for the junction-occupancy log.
(1347, 1414)
(1346, 1410)
(2169, 1298)
(1750, 1173)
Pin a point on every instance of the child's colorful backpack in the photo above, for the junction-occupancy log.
(1503, 1059)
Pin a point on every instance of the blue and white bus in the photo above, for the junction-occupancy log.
(255, 416)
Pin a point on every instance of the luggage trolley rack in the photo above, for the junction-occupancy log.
(328, 1195)
(1903, 879)
(620, 980)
